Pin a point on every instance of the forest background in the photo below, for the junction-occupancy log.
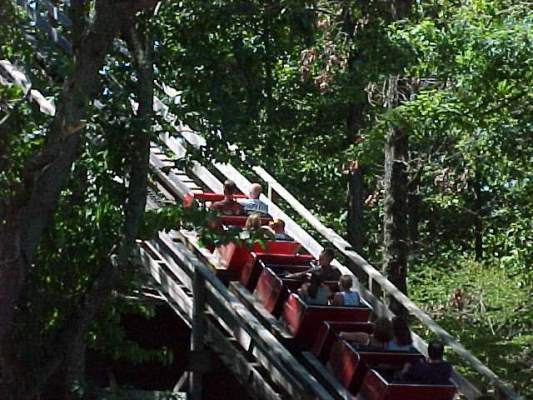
(303, 88)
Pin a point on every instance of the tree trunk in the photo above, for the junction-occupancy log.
(29, 211)
(478, 222)
(413, 206)
(395, 223)
(141, 48)
(72, 371)
(354, 118)
(395, 244)
(355, 226)
(140, 44)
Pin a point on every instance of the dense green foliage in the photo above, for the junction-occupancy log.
(472, 128)
(491, 315)
(286, 96)
(86, 228)
(299, 87)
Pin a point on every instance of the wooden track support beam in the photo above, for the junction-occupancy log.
(197, 336)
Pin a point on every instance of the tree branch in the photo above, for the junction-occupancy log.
(140, 44)
(28, 215)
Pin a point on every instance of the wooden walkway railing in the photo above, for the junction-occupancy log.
(217, 317)
(11, 75)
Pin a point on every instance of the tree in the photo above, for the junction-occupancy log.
(28, 213)
(469, 121)
(395, 244)
(355, 227)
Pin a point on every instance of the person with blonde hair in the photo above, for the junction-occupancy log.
(253, 222)
(253, 225)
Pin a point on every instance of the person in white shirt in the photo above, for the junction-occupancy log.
(252, 204)
(322, 268)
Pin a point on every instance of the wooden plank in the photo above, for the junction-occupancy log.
(230, 321)
(57, 14)
(170, 288)
(278, 357)
(275, 374)
(161, 190)
(236, 362)
(275, 325)
(198, 331)
(233, 324)
(170, 180)
(191, 242)
(325, 376)
(12, 75)
(9, 74)
(155, 246)
(184, 379)
(197, 169)
(190, 185)
(151, 204)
